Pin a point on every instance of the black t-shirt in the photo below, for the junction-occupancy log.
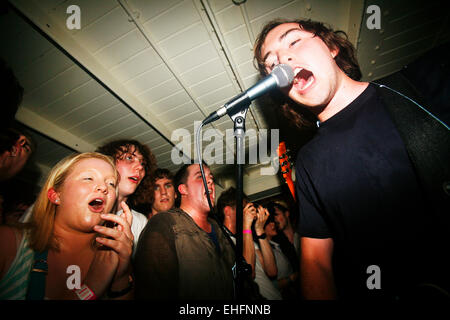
(356, 184)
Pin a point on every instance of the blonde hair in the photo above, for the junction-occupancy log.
(43, 215)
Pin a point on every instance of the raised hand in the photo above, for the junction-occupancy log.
(121, 238)
(262, 215)
(112, 266)
(249, 215)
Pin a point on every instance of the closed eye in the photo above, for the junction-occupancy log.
(294, 42)
(269, 66)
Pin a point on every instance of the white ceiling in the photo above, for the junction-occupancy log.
(141, 69)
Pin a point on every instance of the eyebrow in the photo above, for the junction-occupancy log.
(198, 173)
(281, 39)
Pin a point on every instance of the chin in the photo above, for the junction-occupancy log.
(167, 208)
(162, 209)
(206, 207)
(91, 220)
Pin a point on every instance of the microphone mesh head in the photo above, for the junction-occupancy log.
(283, 74)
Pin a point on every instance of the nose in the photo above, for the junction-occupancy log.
(163, 190)
(285, 56)
(138, 165)
(210, 182)
(102, 188)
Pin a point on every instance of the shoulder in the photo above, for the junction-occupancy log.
(159, 226)
(8, 246)
(163, 219)
(8, 238)
(139, 217)
(173, 215)
(274, 245)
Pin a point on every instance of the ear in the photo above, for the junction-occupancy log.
(53, 196)
(21, 141)
(19, 145)
(227, 211)
(334, 52)
(182, 189)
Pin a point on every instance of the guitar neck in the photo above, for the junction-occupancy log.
(286, 167)
(291, 186)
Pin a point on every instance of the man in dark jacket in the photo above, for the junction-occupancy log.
(183, 254)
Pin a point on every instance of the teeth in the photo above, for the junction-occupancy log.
(96, 202)
(308, 83)
(133, 178)
(296, 71)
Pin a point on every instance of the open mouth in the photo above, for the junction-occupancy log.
(134, 179)
(96, 205)
(303, 78)
(210, 193)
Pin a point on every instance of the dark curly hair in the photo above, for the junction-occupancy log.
(117, 149)
(345, 59)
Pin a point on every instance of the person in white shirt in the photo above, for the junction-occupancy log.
(136, 165)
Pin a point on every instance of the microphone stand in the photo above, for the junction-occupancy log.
(241, 268)
(239, 133)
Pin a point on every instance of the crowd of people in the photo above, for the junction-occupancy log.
(136, 231)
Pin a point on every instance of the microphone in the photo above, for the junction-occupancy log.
(281, 76)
